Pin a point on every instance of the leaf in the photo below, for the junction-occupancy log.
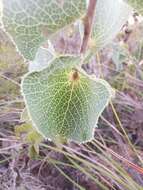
(42, 59)
(120, 55)
(24, 128)
(110, 16)
(32, 137)
(25, 117)
(30, 22)
(33, 152)
(65, 103)
(136, 4)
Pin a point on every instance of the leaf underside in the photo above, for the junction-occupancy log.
(110, 16)
(31, 22)
(42, 59)
(61, 107)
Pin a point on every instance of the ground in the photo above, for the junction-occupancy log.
(119, 130)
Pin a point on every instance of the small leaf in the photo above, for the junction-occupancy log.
(110, 16)
(65, 103)
(34, 137)
(25, 117)
(30, 22)
(42, 59)
(120, 55)
(24, 128)
(136, 4)
(32, 152)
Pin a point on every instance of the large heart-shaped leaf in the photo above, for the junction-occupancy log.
(137, 4)
(110, 16)
(30, 22)
(64, 102)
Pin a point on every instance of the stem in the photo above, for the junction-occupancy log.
(88, 23)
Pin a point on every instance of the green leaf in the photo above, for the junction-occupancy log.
(30, 22)
(24, 128)
(64, 103)
(136, 4)
(110, 16)
(43, 58)
(34, 137)
(120, 55)
(33, 151)
(25, 117)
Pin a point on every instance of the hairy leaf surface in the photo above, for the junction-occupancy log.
(30, 22)
(137, 5)
(42, 58)
(64, 102)
(110, 16)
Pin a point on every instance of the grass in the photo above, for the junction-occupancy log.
(111, 161)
